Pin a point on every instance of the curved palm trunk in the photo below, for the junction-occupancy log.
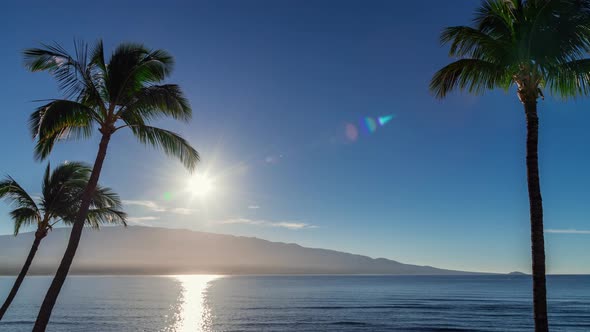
(536, 211)
(39, 235)
(66, 262)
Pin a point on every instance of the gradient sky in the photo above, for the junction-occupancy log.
(273, 85)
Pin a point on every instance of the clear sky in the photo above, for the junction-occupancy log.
(278, 90)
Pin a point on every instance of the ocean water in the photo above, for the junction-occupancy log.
(299, 303)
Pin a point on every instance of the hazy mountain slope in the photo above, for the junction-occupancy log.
(150, 250)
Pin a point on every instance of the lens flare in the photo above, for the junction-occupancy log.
(367, 125)
(385, 119)
(371, 124)
(351, 132)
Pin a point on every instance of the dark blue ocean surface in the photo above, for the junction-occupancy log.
(300, 303)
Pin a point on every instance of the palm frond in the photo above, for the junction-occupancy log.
(62, 116)
(98, 74)
(472, 43)
(97, 56)
(570, 79)
(106, 197)
(78, 74)
(24, 216)
(44, 146)
(12, 191)
(62, 190)
(496, 17)
(69, 71)
(105, 216)
(157, 101)
(106, 208)
(71, 174)
(26, 211)
(132, 67)
(472, 75)
(58, 120)
(559, 31)
(171, 143)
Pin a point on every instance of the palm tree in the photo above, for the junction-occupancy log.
(59, 201)
(534, 45)
(127, 92)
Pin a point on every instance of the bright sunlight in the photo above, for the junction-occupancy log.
(200, 185)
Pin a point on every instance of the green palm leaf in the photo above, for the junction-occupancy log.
(73, 73)
(155, 102)
(63, 187)
(472, 75)
(59, 120)
(105, 216)
(24, 216)
(171, 143)
(472, 43)
(11, 191)
(132, 67)
(570, 79)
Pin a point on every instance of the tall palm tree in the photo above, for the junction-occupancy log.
(59, 202)
(127, 92)
(535, 45)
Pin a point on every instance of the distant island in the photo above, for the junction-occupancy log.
(517, 273)
(151, 250)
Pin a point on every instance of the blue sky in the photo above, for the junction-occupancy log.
(273, 86)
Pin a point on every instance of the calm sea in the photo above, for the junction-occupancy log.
(299, 303)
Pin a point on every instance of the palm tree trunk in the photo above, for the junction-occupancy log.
(39, 235)
(536, 212)
(66, 262)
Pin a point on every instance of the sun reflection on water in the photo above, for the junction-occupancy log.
(194, 315)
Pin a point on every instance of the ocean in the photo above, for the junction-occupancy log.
(299, 303)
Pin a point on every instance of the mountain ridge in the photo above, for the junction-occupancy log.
(154, 250)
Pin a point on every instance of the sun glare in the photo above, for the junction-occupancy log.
(200, 185)
(194, 314)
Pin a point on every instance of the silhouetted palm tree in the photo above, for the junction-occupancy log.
(534, 45)
(59, 202)
(123, 93)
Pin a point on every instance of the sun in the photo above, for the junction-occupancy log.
(200, 185)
